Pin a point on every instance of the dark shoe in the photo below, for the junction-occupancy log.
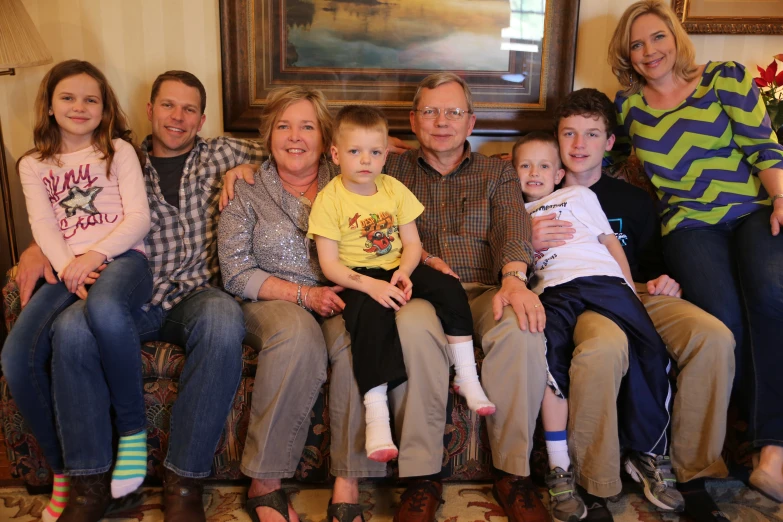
(182, 498)
(519, 499)
(344, 512)
(420, 502)
(88, 498)
(597, 511)
(275, 499)
(699, 505)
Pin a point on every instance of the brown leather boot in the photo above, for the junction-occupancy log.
(182, 498)
(88, 498)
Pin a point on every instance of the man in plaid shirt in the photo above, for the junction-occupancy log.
(474, 226)
(183, 175)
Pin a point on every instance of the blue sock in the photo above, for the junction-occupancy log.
(557, 449)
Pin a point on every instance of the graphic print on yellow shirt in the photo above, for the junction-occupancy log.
(366, 228)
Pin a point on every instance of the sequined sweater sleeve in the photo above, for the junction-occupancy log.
(241, 274)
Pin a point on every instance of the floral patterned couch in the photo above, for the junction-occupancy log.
(466, 454)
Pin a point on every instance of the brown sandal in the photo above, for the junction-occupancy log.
(276, 500)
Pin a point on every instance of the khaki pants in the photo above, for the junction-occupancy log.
(513, 375)
(703, 349)
(292, 360)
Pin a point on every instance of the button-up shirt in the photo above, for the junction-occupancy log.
(474, 217)
(181, 244)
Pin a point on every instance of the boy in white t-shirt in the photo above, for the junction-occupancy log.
(589, 272)
(364, 227)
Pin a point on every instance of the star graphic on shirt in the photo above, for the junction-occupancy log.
(79, 199)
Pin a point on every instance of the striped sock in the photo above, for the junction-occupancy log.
(131, 466)
(54, 508)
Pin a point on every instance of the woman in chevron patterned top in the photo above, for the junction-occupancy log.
(703, 135)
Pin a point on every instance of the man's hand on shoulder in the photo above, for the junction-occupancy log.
(244, 172)
(33, 265)
(549, 232)
(664, 285)
(397, 146)
(524, 302)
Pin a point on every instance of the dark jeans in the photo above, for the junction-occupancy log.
(123, 287)
(735, 272)
(209, 325)
(644, 401)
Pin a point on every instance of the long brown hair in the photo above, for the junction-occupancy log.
(620, 45)
(46, 134)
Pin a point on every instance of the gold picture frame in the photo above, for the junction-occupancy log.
(730, 16)
(272, 43)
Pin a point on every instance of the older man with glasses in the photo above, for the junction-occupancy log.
(474, 227)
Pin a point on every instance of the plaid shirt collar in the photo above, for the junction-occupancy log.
(464, 162)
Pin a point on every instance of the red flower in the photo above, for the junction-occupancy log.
(770, 76)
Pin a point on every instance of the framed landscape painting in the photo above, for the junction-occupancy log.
(516, 55)
(730, 16)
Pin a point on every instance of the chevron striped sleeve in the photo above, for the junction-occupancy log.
(704, 155)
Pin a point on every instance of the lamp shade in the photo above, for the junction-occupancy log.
(20, 43)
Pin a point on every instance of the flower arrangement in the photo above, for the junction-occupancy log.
(770, 82)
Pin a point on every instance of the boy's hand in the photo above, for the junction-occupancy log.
(385, 293)
(402, 281)
(664, 285)
(80, 268)
(441, 266)
(549, 232)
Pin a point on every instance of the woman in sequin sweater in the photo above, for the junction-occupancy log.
(266, 259)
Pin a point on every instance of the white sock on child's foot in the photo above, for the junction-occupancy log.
(466, 381)
(378, 443)
(557, 449)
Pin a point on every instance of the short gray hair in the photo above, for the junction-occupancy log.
(434, 81)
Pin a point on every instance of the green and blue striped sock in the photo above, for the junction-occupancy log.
(131, 466)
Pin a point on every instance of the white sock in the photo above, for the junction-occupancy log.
(466, 381)
(378, 436)
(557, 450)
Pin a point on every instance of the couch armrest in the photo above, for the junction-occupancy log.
(12, 305)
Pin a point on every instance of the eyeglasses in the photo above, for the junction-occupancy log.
(451, 113)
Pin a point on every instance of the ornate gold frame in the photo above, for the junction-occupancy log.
(701, 24)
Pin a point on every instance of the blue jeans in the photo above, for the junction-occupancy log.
(209, 325)
(125, 284)
(735, 272)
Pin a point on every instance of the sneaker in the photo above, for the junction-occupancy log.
(655, 474)
(565, 503)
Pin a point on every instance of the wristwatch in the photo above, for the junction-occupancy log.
(776, 196)
(515, 273)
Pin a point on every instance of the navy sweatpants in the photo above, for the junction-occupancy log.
(644, 401)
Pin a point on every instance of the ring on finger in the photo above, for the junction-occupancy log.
(535, 306)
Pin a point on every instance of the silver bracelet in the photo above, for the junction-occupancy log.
(306, 307)
(776, 196)
(429, 256)
(299, 296)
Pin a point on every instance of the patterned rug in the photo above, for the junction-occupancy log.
(465, 502)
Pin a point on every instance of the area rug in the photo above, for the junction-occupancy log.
(465, 502)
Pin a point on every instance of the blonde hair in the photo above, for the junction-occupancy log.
(434, 81)
(278, 100)
(620, 45)
(46, 134)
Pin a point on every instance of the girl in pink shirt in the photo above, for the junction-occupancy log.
(87, 204)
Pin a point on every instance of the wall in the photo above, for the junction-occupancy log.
(134, 40)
